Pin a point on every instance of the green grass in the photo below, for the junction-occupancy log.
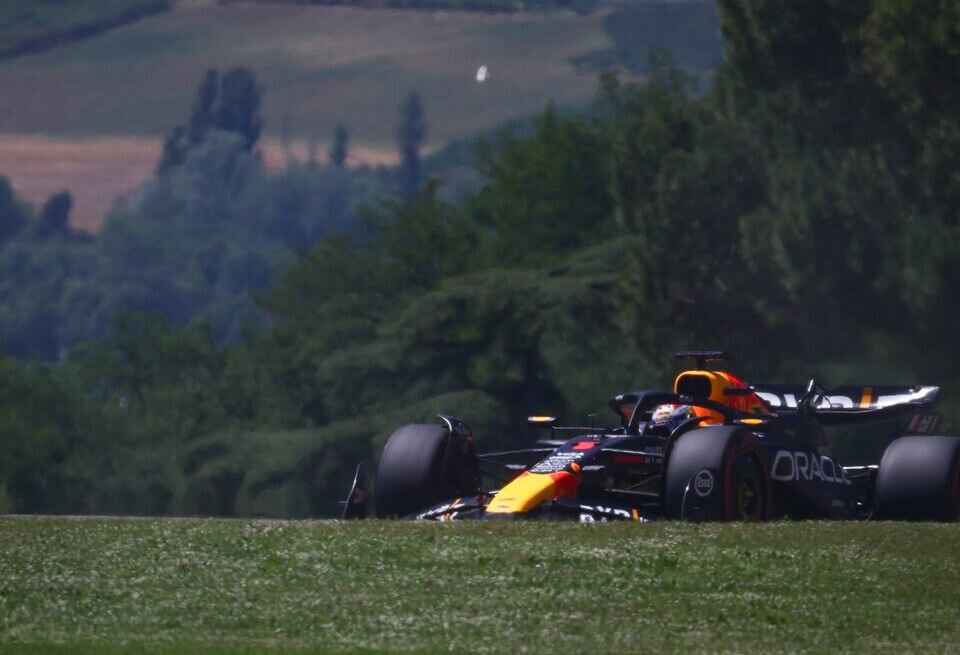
(162, 586)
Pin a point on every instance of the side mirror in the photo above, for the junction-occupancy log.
(541, 421)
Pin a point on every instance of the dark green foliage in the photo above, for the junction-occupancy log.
(773, 42)
(39, 444)
(683, 178)
(426, 238)
(548, 193)
(855, 152)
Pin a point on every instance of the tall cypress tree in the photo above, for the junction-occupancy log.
(11, 218)
(240, 105)
(410, 133)
(203, 114)
(230, 103)
(338, 150)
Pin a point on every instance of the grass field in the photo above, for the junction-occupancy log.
(215, 586)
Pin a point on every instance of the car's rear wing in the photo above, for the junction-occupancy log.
(853, 404)
(786, 396)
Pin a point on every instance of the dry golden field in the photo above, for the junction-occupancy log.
(98, 170)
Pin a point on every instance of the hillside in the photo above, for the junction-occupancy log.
(43, 24)
(317, 66)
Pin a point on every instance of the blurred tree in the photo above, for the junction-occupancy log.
(55, 215)
(203, 114)
(230, 104)
(836, 103)
(174, 150)
(338, 150)
(12, 218)
(38, 436)
(410, 133)
(426, 238)
(683, 178)
(239, 109)
(548, 193)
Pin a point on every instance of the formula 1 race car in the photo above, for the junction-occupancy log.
(714, 448)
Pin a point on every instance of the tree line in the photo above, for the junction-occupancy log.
(194, 242)
(800, 211)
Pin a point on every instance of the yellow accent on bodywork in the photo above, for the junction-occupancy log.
(523, 494)
(717, 383)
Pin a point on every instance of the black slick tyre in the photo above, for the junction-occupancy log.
(919, 480)
(716, 474)
(410, 476)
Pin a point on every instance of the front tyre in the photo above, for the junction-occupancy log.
(919, 479)
(716, 474)
(421, 466)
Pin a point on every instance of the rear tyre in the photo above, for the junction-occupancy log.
(919, 480)
(421, 466)
(716, 474)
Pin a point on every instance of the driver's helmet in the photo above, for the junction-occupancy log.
(670, 416)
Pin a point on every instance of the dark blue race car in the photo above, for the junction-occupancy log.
(713, 448)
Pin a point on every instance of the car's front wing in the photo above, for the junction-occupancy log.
(466, 509)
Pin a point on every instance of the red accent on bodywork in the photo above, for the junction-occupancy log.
(629, 459)
(735, 381)
(566, 484)
(584, 445)
(748, 403)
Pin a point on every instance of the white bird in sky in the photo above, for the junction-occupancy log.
(482, 74)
